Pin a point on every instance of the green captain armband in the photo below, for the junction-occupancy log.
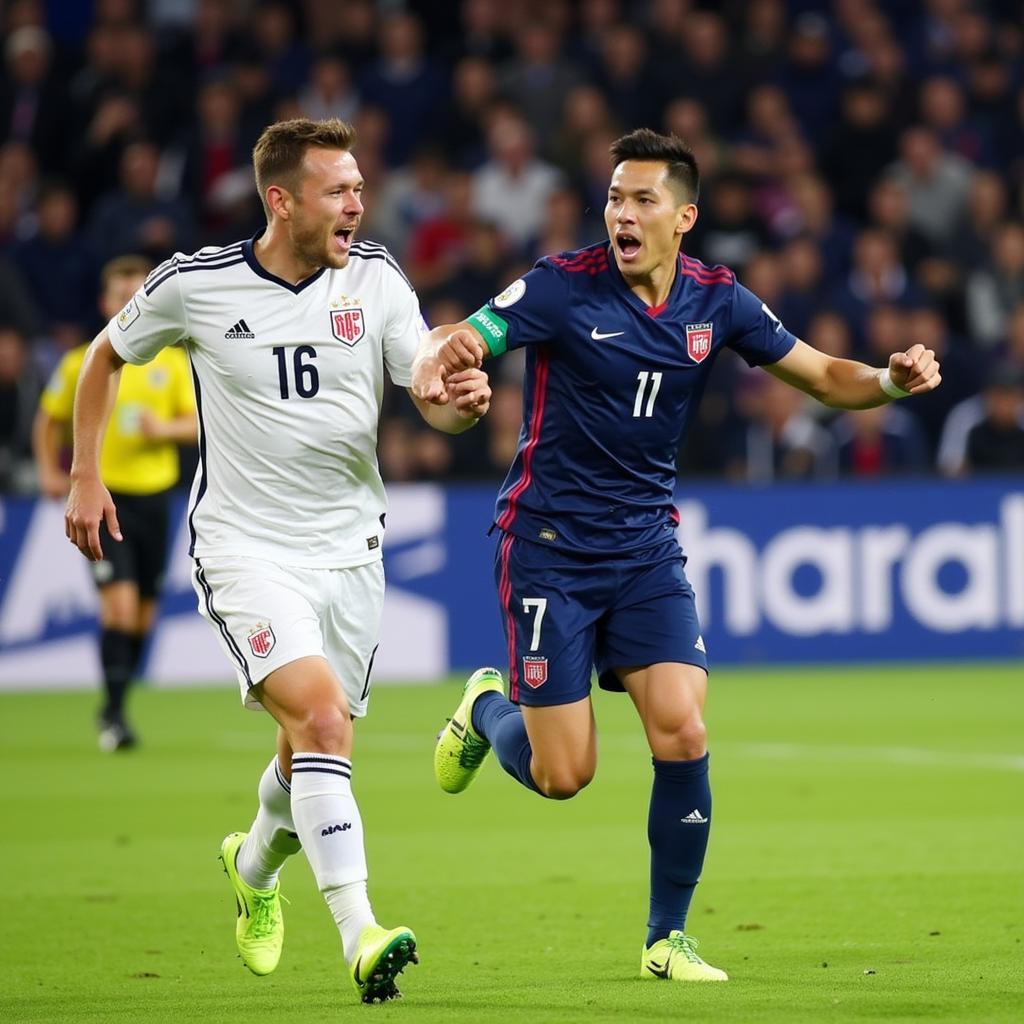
(493, 329)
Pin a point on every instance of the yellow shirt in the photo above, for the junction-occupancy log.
(129, 462)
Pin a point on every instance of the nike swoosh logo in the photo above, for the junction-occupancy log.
(659, 971)
(355, 973)
(598, 336)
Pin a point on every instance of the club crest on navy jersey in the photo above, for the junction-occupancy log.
(698, 341)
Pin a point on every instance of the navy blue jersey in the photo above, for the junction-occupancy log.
(611, 386)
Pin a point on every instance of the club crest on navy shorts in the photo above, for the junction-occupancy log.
(262, 640)
(535, 671)
(347, 325)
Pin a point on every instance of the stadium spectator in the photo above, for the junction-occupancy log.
(216, 156)
(859, 146)
(705, 72)
(943, 108)
(538, 79)
(625, 77)
(936, 182)
(135, 217)
(997, 286)
(512, 188)
(586, 113)
(803, 278)
(996, 443)
(462, 121)
(728, 230)
(687, 119)
(885, 441)
(154, 412)
(876, 277)
(405, 84)
(330, 91)
(809, 76)
(15, 299)
(19, 392)
(57, 262)
(33, 104)
(437, 244)
(782, 441)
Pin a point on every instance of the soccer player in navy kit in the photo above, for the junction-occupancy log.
(620, 339)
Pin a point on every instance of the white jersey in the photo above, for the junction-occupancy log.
(289, 381)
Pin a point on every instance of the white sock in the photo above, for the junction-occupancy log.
(350, 907)
(327, 820)
(272, 838)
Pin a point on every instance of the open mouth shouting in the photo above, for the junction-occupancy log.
(343, 238)
(628, 244)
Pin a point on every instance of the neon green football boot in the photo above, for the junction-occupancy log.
(460, 751)
(381, 955)
(675, 959)
(259, 930)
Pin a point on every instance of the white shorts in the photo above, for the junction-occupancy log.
(267, 615)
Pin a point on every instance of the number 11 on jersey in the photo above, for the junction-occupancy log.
(644, 377)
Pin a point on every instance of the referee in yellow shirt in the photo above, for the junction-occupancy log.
(155, 411)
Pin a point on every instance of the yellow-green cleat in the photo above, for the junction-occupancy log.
(259, 930)
(675, 959)
(460, 751)
(381, 955)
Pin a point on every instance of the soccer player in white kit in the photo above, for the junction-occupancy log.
(288, 335)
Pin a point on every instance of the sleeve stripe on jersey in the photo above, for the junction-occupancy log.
(183, 269)
(199, 257)
(380, 254)
(702, 273)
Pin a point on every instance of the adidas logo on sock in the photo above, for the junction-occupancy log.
(239, 332)
(695, 818)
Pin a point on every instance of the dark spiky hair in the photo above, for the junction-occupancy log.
(644, 144)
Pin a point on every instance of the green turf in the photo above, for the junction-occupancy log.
(865, 863)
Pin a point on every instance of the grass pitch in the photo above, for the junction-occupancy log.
(865, 863)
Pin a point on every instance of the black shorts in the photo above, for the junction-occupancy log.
(142, 556)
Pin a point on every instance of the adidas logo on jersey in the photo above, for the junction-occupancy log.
(239, 332)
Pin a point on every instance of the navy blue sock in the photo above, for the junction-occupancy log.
(501, 723)
(677, 829)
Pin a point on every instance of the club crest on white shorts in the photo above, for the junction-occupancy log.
(262, 640)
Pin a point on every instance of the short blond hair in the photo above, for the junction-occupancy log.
(278, 154)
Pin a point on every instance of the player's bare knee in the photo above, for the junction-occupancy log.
(683, 741)
(326, 729)
(562, 784)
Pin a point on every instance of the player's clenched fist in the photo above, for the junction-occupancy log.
(461, 351)
(470, 391)
(915, 371)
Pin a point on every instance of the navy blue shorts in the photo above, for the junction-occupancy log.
(566, 614)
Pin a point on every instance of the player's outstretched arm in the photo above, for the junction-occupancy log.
(89, 502)
(468, 399)
(444, 350)
(847, 384)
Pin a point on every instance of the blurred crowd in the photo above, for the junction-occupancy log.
(863, 173)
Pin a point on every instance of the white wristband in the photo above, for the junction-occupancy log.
(891, 389)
